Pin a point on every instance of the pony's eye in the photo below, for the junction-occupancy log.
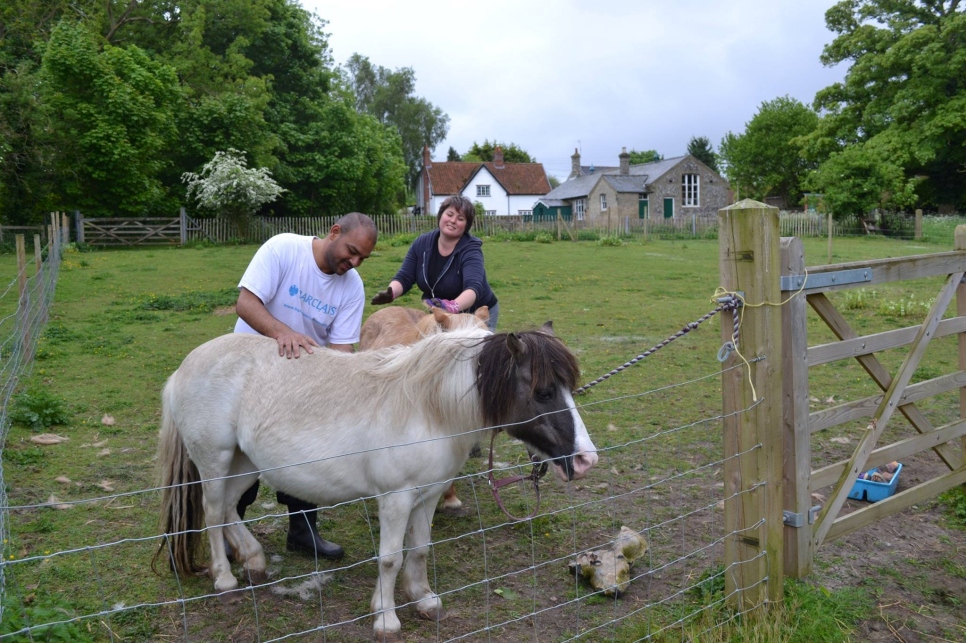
(544, 395)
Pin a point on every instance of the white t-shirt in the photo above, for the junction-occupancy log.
(284, 275)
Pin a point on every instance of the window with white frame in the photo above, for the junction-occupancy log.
(690, 190)
(579, 209)
(603, 201)
(482, 190)
(525, 213)
(490, 213)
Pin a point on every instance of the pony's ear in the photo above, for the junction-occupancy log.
(517, 349)
(483, 312)
(440, 315)
(547, 328)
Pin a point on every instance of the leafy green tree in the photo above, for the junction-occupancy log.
(647, 156)
(390, 97)
(114, 114)
(903, 97)
(700, 148)
(231, 189)
(861, 178)
(452, 155)
(765, 160)
(484, 153)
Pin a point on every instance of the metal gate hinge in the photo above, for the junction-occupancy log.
(826, 279)
(793, 519)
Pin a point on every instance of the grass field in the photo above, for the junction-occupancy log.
(123, 320)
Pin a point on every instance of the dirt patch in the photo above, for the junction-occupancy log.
(913, 563)
(221, 311)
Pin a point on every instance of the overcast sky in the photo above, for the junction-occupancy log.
(555, 75)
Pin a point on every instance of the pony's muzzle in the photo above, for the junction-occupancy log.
(584, 462)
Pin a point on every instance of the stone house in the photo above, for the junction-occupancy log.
(503, 188)
(675, 188)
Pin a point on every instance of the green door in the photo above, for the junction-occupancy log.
(668, 207)
(642, 208)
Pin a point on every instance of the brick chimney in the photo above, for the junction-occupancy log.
(625, 161)
(575, 164)
(427, 163)
(498, 157)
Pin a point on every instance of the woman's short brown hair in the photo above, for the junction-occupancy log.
(461, 204)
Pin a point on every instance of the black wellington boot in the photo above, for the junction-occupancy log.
(303, 535)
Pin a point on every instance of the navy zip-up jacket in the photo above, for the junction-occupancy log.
(463, 270)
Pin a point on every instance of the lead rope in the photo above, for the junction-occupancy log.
(728, 302)
(539, 470)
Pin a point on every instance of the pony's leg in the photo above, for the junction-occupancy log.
(451, 503)
(215, 515)
(394, 510)
(415, 581)
(247, 550)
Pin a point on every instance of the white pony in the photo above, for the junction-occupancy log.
(396, 424)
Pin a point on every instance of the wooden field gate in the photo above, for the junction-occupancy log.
(769, 479)
(809, 527)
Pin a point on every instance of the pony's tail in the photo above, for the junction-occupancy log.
(182, 509)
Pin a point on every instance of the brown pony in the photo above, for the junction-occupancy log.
(396, 325)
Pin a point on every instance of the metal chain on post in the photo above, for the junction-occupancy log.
(729, 302)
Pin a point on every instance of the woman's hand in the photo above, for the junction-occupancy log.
(446, 304)
(383, 297)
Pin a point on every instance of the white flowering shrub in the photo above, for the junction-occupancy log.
(228, 187)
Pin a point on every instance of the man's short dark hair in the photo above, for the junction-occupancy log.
(349, 222)
(461, 204)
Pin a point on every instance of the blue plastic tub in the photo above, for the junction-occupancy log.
(871, 491)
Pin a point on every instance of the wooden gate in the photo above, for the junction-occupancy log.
(129, 232)
(808, 526)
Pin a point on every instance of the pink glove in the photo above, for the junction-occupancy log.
(448, 305)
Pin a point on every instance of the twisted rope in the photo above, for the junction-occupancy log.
(729, 302)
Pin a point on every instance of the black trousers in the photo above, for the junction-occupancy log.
(293, 503)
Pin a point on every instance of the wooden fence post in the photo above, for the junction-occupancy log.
(21, 267)
(38, 258)
(960, 244)
(80, 227)
(65, 227)
(829, 238)
(184, 225)
(54, 230)
(750, 263)
(799, 546)
(919, 225)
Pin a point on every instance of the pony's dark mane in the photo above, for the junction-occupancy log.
(551, 363)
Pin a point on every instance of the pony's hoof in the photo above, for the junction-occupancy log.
(459, 512)
(388, 637)
(256, 577)
(437, 615)
(231, 597)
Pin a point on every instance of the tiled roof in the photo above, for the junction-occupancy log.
(552, 203)
(634, 181)
(575, 188)
(521, 178)
(451, 177)
(627, 183)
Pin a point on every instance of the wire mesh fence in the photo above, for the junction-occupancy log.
(499, 579)
(24, 305)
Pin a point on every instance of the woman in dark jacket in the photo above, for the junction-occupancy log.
(447, 265)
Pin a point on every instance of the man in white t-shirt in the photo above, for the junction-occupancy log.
(304, 292)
